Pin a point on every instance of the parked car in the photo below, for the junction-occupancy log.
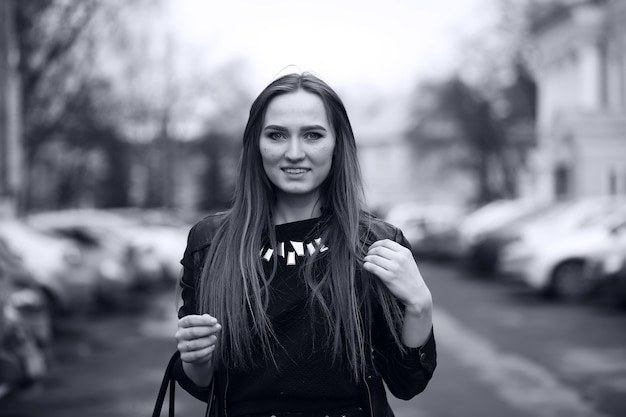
(564, 265)
(25, 324)
(609, 270)
(566, 216)
(109, 254)
(430, 228)
(165, 231)
(56, 264)
(483, 232)
(16, 278)
(142, 262)
(167, 245)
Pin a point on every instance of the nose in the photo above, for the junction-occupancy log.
(295, 151)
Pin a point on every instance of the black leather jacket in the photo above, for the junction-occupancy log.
(405, 375)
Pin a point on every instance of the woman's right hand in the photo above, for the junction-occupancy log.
(197, 336)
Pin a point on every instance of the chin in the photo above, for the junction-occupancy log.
(302, 191)
(297, 192)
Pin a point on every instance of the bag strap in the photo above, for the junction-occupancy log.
(168, 379)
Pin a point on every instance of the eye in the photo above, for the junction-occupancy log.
(275, 135)
(313, 135)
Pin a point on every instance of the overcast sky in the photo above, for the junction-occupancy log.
(385, 44)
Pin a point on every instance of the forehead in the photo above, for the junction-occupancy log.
(296, 107)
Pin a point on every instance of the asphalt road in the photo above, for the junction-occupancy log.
(503, 351)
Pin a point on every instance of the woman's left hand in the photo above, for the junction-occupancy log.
(395, 266)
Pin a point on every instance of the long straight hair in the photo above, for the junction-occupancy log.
(233, 284)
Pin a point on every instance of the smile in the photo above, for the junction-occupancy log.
(295, 170)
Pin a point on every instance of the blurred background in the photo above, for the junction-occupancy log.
(492, 132)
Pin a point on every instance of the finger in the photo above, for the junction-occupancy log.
(384, 252)
(377, 270)
(381, 261)
(202, 355)
(197, 320)
(391, 246)
(196, 344)
(188, 333)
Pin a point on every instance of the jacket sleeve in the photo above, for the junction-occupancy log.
(192, 262)
(190, 275)
(198, 242)
(407, 371)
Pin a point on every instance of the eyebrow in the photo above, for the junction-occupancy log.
(303, 129)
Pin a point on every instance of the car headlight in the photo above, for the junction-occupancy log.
(612, 263)
(517, 252)
(111, 270)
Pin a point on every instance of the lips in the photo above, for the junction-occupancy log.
(295, 170)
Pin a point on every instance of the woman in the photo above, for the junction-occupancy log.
(296, 302)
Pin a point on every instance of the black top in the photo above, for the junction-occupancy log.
(303, 377)
(402, 372)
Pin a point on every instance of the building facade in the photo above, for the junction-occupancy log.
(579, 62)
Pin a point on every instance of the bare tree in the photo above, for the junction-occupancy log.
(458, 120)
(485, 114)
(73, 142)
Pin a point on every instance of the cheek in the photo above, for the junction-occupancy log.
(327, 154)
(268, 154)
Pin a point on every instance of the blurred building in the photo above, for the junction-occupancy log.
(579, 61)
(10, 151)
(394, 171)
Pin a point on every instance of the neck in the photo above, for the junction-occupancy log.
(291, 209)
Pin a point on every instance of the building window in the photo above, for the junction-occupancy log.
(612, 182)
(614, 88)
(607, 66)
(562, 181)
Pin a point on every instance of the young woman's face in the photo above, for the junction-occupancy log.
(297, 144)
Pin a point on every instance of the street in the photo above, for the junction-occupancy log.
(503, 351)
